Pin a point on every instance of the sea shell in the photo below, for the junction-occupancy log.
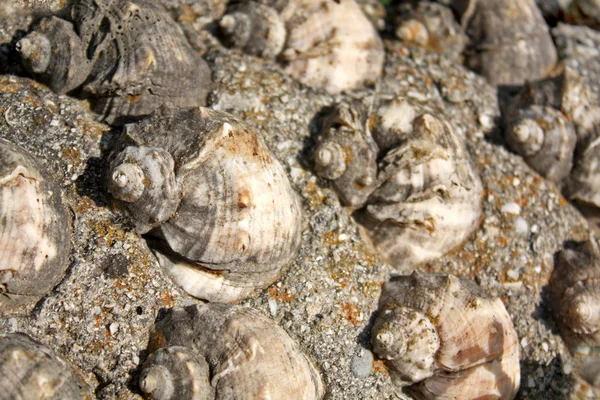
(219, 205)
(129, 57)
(428, 199)
(29, 370)
(430, 25)
(249, 357)
(545, 138)
(583, 12)
(510, 41)
(574, 293)
(446, 338)
(346, 154)
(329, 44)
(584, 182)
(34, 234)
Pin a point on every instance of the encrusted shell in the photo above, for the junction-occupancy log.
(249, 357)
(34, 233)
(29, 370)
(510, 41)
(428, 199)
(129, 57)
(327, 44)
(575, 291)
(218, 204)
(545, 138)
(445, 337)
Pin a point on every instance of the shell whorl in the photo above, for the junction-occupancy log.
(175, 372)
(143, 178)
(526, 137)
(330, 160)
(36, 52)
(581, 309)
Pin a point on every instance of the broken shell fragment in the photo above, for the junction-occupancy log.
(34, 234)
(29, 370)
(216, 204)
(574, 293)
(446, 339)
(128, 57)
(248, 356)
(545, 138)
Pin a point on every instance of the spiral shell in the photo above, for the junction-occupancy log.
(545, 138)
(217, 205)
(327, 44)
(575, 290)
(29, 370)
(510, 41)
(34, 234)
(447, 339)
(249, 357)
(129, 57)
(428, 199)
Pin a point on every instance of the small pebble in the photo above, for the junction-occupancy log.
(114, 327)
(273, 307)
(521, 226)
(511, 208)
(361, 363)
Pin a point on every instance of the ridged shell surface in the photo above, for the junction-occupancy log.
(129, 57)
(575, 293)
(510, 41)
(31, 371)
(234, 220)
(34, 234)
(472, 350)
(250, 357)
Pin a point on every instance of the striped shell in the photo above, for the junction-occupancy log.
(249, 357)
(34, 234)
(575, 291)
(216, 204)
(29, 370)
(447, 340)
(129, 57)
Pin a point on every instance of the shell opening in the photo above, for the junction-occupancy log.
(157, 382)
(127, 182)
(36, 51)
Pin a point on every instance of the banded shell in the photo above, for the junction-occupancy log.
(34, 234)
(545, 138)
(217, 205)
(328, 44)
(248, 356)
(575, 290)
(510, 41)
(428, 199)
(446, 339)
(128, 57)
(29, 370)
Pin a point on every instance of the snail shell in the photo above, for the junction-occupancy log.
(545, 138)
(446, 338)
(29, 370)
(129, 57)
(327, 44)
(249, 356)
(34, 234)
(218, 203)
(428, 199)
(510, 41)
(347, 155)
(575, 290)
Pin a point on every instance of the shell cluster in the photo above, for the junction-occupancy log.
(575, 290)
(510, 42)
(407, 174)
(29, 370)
(128, 57)
(218, 204)
(446, 339)
(34, 233)
(218, 351)
(328, 44)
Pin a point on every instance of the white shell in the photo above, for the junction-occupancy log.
(29, 370)
(250, 357)
(225, 218)
(444, 335)
(34, 234)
